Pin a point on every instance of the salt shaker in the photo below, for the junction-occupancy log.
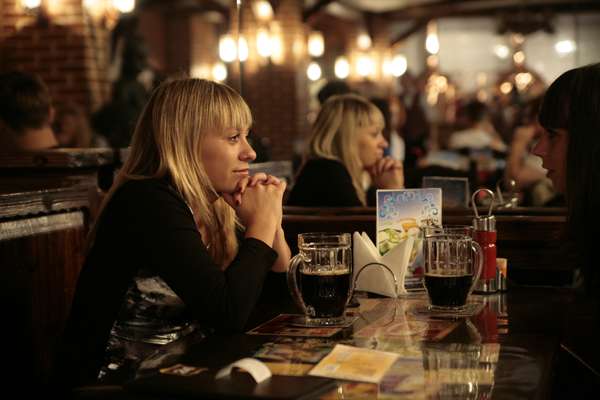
(484, 228)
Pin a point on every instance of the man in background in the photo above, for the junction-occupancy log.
(26, 113)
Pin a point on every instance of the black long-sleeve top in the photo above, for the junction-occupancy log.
(325, 183)
(148, 225)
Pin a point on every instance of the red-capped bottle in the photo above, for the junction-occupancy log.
(484, 231)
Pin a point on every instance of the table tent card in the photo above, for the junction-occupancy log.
(400, 216)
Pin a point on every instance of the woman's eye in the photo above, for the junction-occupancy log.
(234, 138)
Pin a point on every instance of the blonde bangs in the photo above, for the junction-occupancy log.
(223, 109)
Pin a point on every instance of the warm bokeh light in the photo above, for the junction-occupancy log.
(263, 43)
(242, 48)
(363, 41)
(432, 42)
(522, 80)
(365, 66)
(519, 57)
(565, 47)
(200, 71)
(124, 6)
(219, 72)
(313, 71)
(399, 65)
(227, 48)
(31, 4)
(277, 49)
(263, 10)
(501, 51)
(506, 87)
(341, 68)
(316, 44)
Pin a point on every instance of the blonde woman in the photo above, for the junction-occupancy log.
(185, 240)
(345, 147)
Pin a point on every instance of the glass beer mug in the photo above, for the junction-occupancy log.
(453, 264)
(320, 277)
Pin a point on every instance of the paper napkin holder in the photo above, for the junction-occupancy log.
(388, 279)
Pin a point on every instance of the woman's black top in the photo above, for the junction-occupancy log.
(147, 226)
(325, 183)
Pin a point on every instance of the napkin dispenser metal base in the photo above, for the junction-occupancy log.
(388, 269)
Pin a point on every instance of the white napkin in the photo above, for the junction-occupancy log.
(377, 279)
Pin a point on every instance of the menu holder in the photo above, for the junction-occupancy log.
(400, 215)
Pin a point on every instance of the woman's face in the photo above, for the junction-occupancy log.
(552, 148)
(225, 156)
(371, 144)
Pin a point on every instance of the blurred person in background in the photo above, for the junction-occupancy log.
(72, 128)
(479, 133)
(524, 167)
(333, 88)
(394, 116)
(26, 113)
(346, 143)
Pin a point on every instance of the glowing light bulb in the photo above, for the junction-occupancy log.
(313, 71)
(341, 68)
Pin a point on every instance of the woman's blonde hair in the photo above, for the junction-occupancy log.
(167, 142)
(335, 133)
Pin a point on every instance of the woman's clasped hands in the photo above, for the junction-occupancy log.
(257, 201)
(387, 173)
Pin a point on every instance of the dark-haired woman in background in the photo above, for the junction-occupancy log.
(570, 148)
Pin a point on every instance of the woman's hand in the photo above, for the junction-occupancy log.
(387, 173)
(284, 253)
(257, 201)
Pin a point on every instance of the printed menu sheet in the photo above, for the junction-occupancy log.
(355, 363)
(400, 214)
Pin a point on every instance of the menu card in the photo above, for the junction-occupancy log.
(355, 364)
(400, 215)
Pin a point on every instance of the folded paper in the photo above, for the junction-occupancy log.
(256, 368)
(376, 278)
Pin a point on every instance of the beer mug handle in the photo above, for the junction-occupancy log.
(292, 280)
(479, 262)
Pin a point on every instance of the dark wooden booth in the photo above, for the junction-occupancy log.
(47, 202)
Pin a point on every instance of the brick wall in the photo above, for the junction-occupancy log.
(69, 50)
(276, 89)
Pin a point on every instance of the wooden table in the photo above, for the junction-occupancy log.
(510, 349)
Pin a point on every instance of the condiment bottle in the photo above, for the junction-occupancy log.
(484, 228)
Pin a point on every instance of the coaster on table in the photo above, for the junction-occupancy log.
(302, 321)
(468, 310)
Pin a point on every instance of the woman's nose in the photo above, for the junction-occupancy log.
(383, 143)
(248, 153)
(540, 148)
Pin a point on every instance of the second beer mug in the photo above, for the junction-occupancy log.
(451, 271)
(320, 277)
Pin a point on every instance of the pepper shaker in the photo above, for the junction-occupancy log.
(484, 228)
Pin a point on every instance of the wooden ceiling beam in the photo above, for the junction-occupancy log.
(415, 27)
(472, 8)
(310, 13)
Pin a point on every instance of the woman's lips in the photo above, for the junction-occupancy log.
(241, 171)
